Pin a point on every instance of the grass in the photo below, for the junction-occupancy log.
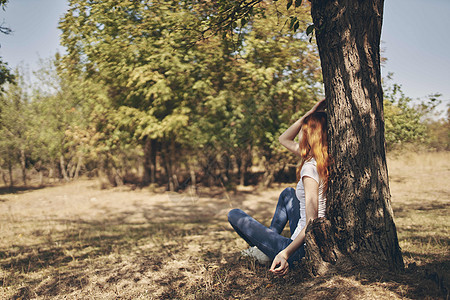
(77, 241)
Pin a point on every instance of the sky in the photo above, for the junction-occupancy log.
(415, 41)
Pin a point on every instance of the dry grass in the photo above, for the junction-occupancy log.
(76, 241)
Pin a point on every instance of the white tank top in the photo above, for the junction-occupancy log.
(309, 169)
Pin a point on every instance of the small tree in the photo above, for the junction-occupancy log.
(15, 143)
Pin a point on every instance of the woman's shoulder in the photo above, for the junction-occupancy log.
(309, 169)
(311, 161)
(310, 165)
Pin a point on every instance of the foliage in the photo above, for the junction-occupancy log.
(142, 96)
(5, 73)
(405, 122)
(61, 108)
(166, 85)
(439, 132)
(15, 127)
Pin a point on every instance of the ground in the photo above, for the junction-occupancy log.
(77, 241)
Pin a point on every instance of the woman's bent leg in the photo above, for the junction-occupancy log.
(256, 234)
(288, 209)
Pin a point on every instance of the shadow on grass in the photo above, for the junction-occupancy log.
(87, 245)
(64, 256)
(242, 277)
(439, 208)
(116, 249)
(20, 189)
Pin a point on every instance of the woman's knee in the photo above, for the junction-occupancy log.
(287, 195)
(289, 191)
(234, 215)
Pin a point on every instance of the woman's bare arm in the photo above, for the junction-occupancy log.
(280, 265)
(287, 138)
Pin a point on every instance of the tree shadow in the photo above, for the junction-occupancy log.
(118, 247)
(68, 254)
(21, 189)
(63, 254)
(240, 277)
(438, 208)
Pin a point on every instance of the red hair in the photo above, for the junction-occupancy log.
(314, 143)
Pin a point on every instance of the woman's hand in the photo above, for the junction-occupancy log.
(287, 138)
(319, 106)
(280, 266)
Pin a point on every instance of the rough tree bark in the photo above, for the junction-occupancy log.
(360, 229)
(149, 161)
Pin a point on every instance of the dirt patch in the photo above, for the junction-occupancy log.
(78, 241)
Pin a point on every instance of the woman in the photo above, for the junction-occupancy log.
(299, 206)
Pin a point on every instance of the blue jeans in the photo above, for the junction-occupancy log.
(269, 240)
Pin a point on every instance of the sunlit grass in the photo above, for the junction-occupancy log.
(140, 245)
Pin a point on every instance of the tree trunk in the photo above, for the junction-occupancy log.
(239, 169)
(171, 162)
(71, 167)
(146, 164)
(268, 177)
(243, 169)
(78, 168)
(149, 162)
(51, 173)
(154, 147)
(361, 218)
(166, 153)
(23, 166)
(5, 180)
(116, 177)
(10, 171)
(39, 169)
(62, 166)
(225, 166)
(103, 176)
(41, 178)
(193, 176)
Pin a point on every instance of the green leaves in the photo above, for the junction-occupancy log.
(161, 82)
(289, 4)
(6, 76)
(403, 121)
(294, 23)
(309, 29)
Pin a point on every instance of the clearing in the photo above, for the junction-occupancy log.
(76, 241)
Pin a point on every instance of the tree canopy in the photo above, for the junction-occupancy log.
(151, 93)
(5, 72)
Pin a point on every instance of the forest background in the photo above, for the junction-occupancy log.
(147, 95)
